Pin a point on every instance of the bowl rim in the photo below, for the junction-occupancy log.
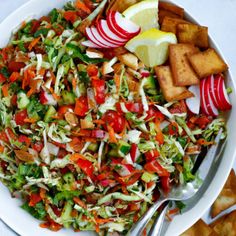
(212, 195)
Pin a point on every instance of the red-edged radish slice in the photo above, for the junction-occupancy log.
(217, 94)
(93, 39)
(90, 44)
(193, 103)
(106, 33)
(202, 100)
(101, 40)
(213, 92)
(210, 105)
(112, 27)
(223, 94)
(124, 25)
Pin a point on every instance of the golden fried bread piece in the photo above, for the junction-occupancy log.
(226, 225)
(129, 60)
(179, 11)
(169, 24)
(183, 74)
(194, 34)
(207, 63)
(170, 91)
(163, 13)
(200, 228)
(120, 5)
(227, 197)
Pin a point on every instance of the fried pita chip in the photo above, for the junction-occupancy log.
(170, 8)
(226, 225)
(207, 63)
(183, 74)
(163, 13)
(227, 197)
(120, 5)
(129, 60)
(169, 24)
(194, 34)
(170, 91)
(199, 229)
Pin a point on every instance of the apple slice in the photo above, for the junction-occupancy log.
(93, 39)
(107, 34)
(193, 103)
(223, 96)
(209, 103)
(202, 97)
(101, 40)
(90, 44)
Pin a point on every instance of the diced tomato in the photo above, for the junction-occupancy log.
(24, 139)
(155, 167)
(14, 100)
(2, 78)
(38, 146)
(4, 165)
(63, 109)
(134, 207)
(62, 153)
(81, 106)
(92, 70)
(20, 117)
(14, 66)
(115, 120)
(153, 112)
(173, 128)
(98, 133)
(131, 179)
(203, 121)
(4, 136)
(135, 107)
(99, 90)
(179, 107)
(71, 16)
(35, 26)
(165, 184)
(86, 166)
(34, 199)
(151, 155)
(61, 145)
(56, 210)
(133, 151)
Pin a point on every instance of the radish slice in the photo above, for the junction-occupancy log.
(212, 92)
(107, 34)
(113, 28)
(213, 110)
(202, 101)
(93, 39)
(217, 94)
(124, 25)
(193, 103)
(100, 39)
(90, 44)
(223, 94)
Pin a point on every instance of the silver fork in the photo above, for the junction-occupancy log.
(180, 193)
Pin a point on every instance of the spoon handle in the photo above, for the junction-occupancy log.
(158, 223)
(143, 221)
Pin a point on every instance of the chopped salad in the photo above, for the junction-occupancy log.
(87, 137)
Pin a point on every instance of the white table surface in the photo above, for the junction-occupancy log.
(218, 15)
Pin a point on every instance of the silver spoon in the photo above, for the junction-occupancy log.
(181, 192)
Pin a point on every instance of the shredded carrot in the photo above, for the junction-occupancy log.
(97, 229)
(14, 76)
(80, 202)
(117, 81)
(144, 232)
(42, 71)
(30, 120)
(102, 221)
(76, 157)
(82, 6)
(174, 211)
(112, 136)
(74, 213)
(1, 149)
(56, 117)
(33, 43)
(5, 90)
(42, 193)
(30, 92)
(204, 142)
(99, 122)
(74, 84)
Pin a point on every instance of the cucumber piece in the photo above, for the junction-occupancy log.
(22, 100)
(69, 178)
(50, 112)
(93, 147)
(113, 153)
(123, 147)
(147, 177)
(68, 97)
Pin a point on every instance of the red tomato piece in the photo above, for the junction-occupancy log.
(20, 117)
(2, 78)
(34, 199)
(115, 120)
(155, 167)
(70, 16)
(165, 184)
(24, 139)
(133, 151)
(14, 66)
(81, 106)
(38, 146)
(153, 112)
(92, 70)
(151, 155)
(62, 153)
(202, 121)
(42, 98)
(99, 90)
(86, 166)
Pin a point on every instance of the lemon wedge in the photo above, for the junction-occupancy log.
(144, 14)
(151, 46)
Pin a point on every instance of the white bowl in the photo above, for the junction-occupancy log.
(24, 224)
